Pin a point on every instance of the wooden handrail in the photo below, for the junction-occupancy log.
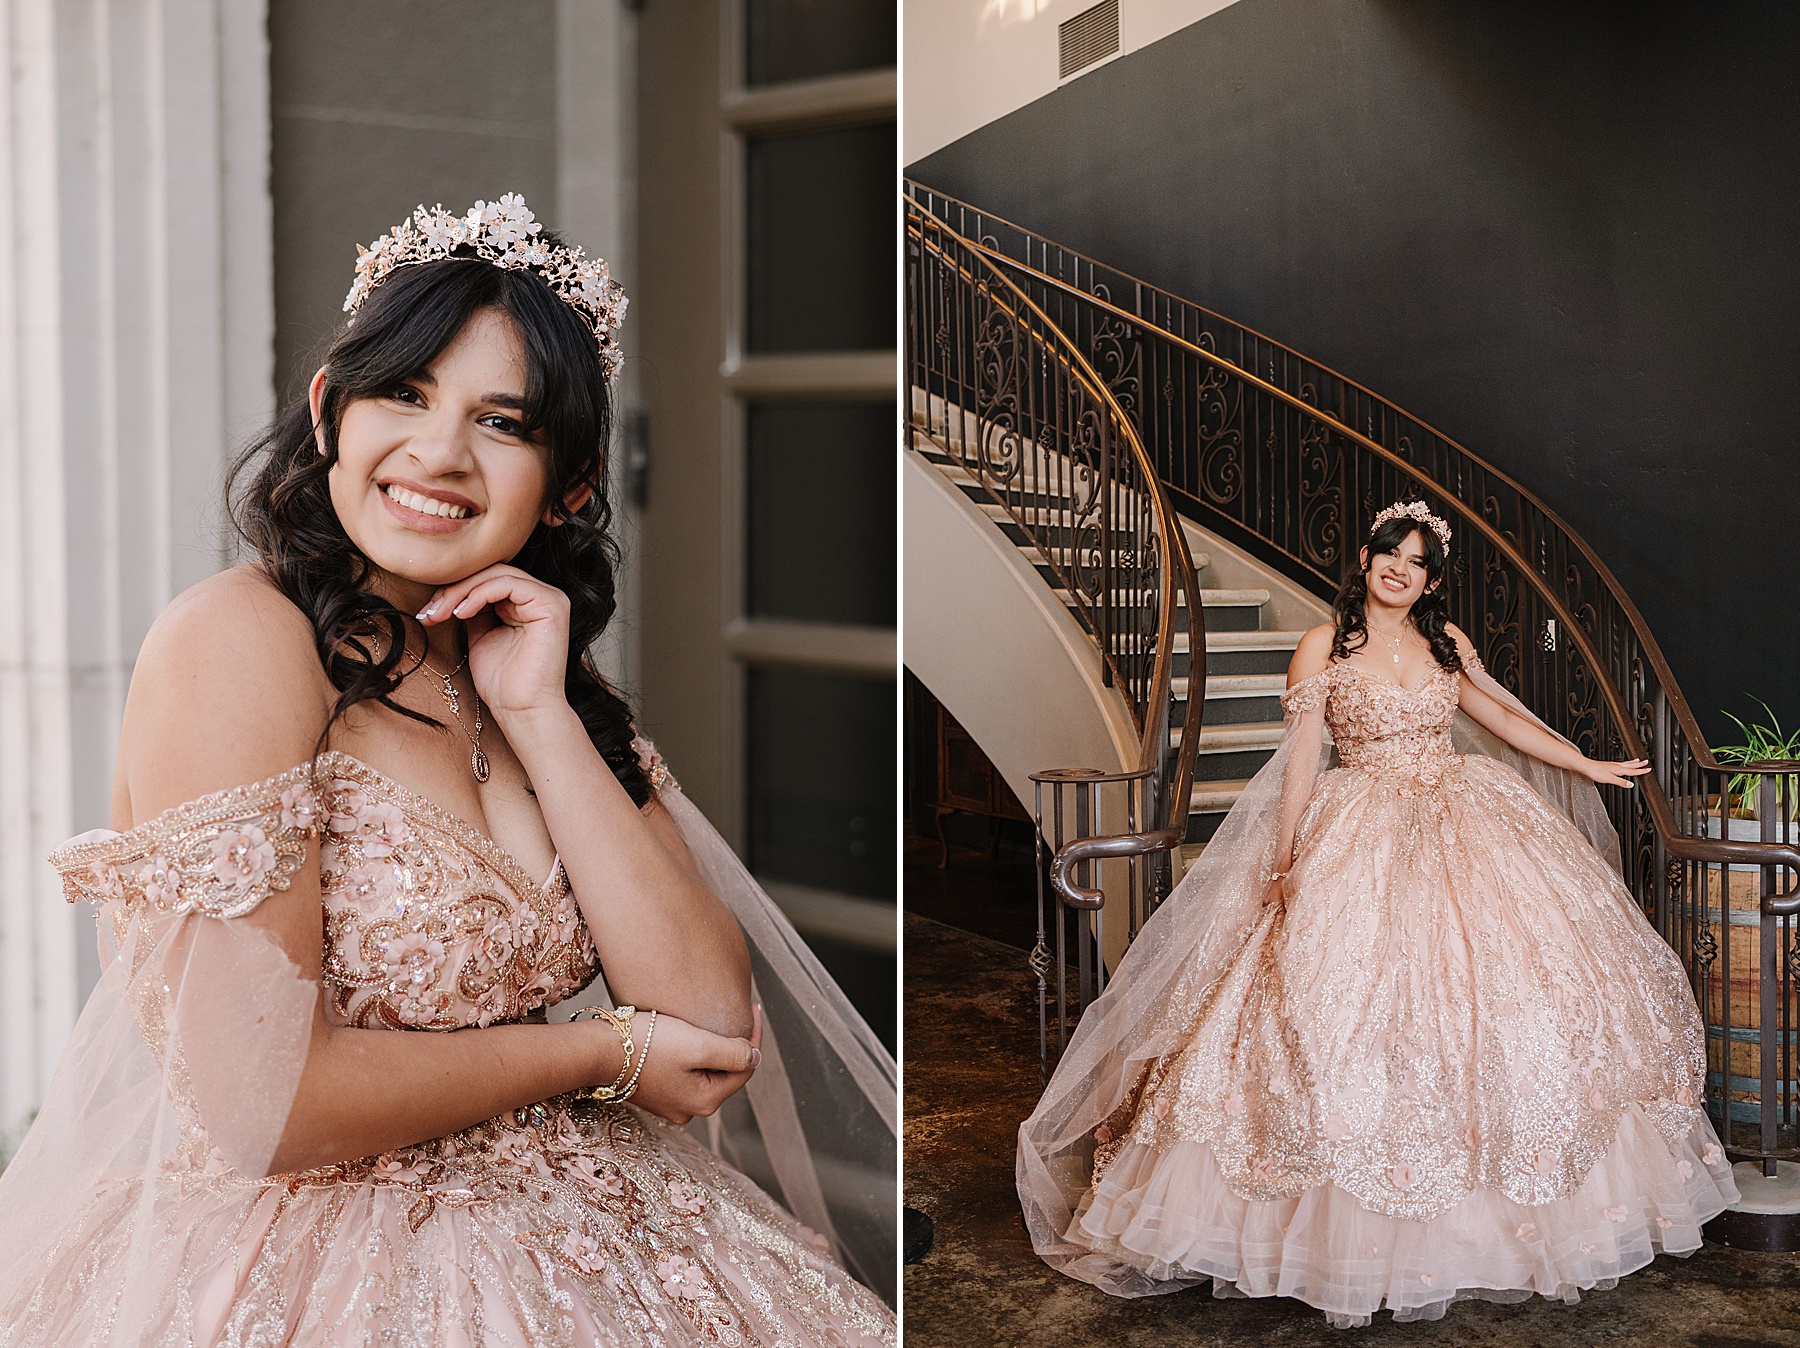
(1179, 577)
(1678, 843)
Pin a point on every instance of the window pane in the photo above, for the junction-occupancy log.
(820, 237)
(821, 770)
(803, 39)
(821, 512)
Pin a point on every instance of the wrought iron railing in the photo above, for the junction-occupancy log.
(1291, 460)
(998, 392)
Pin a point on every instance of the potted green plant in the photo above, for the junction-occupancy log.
(1762, 744)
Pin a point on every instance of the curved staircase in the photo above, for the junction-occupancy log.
(1284, 462)
(1245, 667)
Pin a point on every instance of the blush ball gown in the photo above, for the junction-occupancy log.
(1457, 1061)
(138, 1211)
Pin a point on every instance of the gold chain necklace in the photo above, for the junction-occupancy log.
(478, 761)
(1398, 637)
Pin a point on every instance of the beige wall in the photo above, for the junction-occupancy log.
(134, 353)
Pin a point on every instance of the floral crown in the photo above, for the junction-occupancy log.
(1414, 510)
(505, 233)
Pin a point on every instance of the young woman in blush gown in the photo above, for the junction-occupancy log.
(1401, 1034)
(374, 811)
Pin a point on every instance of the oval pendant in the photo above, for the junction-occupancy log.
(478, 761)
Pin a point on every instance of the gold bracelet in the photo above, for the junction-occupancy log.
(620, 1020)
(643, 1057)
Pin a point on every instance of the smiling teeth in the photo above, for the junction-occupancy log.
(425, 505)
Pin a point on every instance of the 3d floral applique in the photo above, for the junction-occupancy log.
(687, 1198)
(242, 856)
(651, 761)
(580, 1249)
(603, 1179)
(300, 808)
(681, 1277)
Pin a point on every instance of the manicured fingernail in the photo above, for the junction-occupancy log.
(756, 1057)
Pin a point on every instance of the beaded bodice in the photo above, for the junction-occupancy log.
(429, 924)
(1378, 725)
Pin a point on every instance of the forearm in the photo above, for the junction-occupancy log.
(664, 939)
(364, 1092)
(1532, 739)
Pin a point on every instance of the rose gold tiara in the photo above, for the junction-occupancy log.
(1414, 510)
(505, 233)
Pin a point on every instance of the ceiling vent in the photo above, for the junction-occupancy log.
(1090, 36)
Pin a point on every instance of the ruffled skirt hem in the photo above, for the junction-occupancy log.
(1170, 1215)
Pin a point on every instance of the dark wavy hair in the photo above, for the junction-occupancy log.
(280, 502)
(1430, 612)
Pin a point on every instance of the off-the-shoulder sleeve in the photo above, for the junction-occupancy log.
(652, 764)
(220, 855)
(1308, 694)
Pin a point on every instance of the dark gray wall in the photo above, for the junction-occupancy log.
(1566, 234)
(383, 105)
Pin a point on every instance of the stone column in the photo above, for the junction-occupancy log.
(596, 206)
(136, 316)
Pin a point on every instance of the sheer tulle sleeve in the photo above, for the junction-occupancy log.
(817, 1125)
(1182, 949)
(1304, 704)
(1309, 694)
(1569, 793)
(187, 1055)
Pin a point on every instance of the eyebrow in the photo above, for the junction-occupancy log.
(513, 400)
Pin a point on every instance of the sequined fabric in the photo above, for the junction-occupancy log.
(1458, 1056)
(561, 1224)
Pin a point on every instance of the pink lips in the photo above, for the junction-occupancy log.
(417, 520)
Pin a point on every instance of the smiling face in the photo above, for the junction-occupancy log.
(1397, 579)
(436, 478)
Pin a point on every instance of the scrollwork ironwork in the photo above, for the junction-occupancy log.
(1289, 459)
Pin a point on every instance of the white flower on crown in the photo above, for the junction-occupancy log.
(507, 234)
(1414, 510)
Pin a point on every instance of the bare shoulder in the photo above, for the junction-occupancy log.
(1312, 655)
(1464, 647)
(227, 690)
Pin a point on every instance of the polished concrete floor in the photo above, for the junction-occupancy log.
(972, 1074)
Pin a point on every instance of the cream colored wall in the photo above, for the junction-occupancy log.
(135, 351)
(991, 642)
(966, 63)
(985, 634)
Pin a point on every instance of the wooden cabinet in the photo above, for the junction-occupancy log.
(967, 781)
